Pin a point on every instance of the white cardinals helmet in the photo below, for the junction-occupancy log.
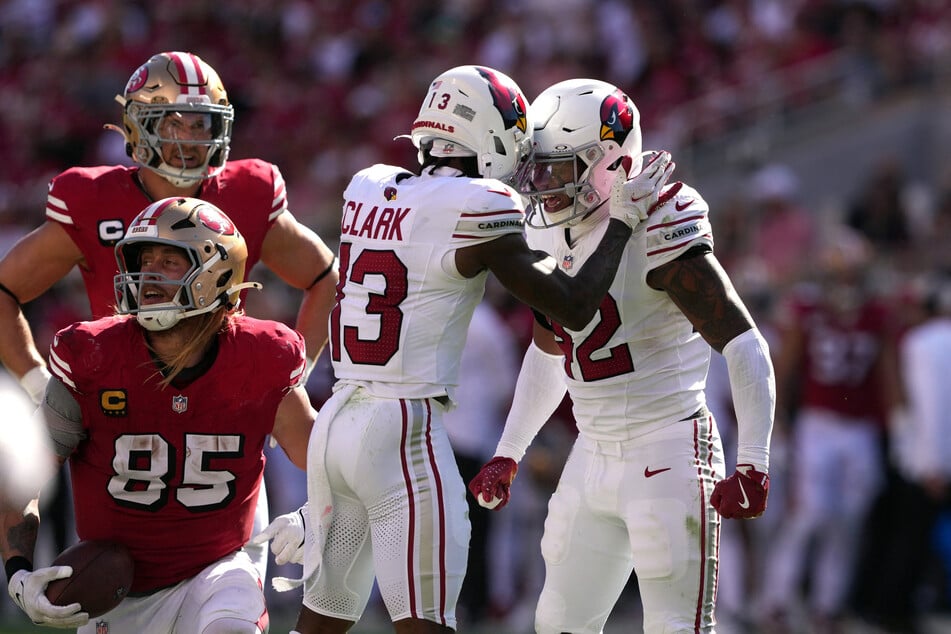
(475, 111)
(590, 125)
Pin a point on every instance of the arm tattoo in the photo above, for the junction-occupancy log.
(703, 292)
(601, 268)
(21, 537)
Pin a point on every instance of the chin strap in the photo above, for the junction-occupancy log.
(240, 287)
(164, 318)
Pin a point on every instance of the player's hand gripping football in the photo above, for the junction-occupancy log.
(491, 485)
(633, 198)
(286, 534)
(742, 495)
(28, 591)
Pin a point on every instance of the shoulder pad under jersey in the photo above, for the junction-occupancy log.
(678, 222)
(489, 209)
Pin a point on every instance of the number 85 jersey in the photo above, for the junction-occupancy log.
(639, 359)
(172, 472)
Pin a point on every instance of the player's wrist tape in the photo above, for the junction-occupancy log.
(15, 564)
(34, 383)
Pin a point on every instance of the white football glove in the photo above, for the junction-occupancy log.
(286, 534)
(633, 198)
(28, 591)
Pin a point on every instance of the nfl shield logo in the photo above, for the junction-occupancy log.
(102, 627)
(179, 405)
(568, 262)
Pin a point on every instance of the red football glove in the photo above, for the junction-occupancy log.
(491, 485)
(743, 494)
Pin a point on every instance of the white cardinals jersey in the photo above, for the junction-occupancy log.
(403, 309)
(639, 360)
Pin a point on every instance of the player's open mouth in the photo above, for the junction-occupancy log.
(153, 295)
(553, 203)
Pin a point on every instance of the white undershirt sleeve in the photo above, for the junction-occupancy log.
(753, 386)
(538, 392)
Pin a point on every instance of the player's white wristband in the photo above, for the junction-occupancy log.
(753, 386)
(34, 383)
(538, 392)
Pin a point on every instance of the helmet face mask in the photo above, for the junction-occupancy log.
(591, 124)
(559, 186)
(208, 241)
(177, 119)
(475, 111)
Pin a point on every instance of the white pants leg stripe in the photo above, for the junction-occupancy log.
(703, 427)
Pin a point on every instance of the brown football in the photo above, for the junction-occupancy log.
(102, 576)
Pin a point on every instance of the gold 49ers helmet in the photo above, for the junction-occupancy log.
(213, 245)
(157, 102)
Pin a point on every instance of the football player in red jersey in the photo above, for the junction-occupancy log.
(163, 411)
(836, 373)
(177, 124)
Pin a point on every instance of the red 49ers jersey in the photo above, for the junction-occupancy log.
(172, 473)
(839, 354)
(96, 204)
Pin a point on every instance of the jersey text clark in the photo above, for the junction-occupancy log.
(375, 224)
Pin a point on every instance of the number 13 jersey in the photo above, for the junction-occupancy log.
(403, 310)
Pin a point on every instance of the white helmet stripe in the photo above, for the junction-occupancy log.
(151, 213)
(190, 77)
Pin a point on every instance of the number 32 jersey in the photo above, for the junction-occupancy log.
(639, 359)
(403, 310)
(172, 473)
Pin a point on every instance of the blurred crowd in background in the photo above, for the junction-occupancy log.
(322, 88)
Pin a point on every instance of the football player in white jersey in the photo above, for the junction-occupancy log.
(385, 498)
(643, 489)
